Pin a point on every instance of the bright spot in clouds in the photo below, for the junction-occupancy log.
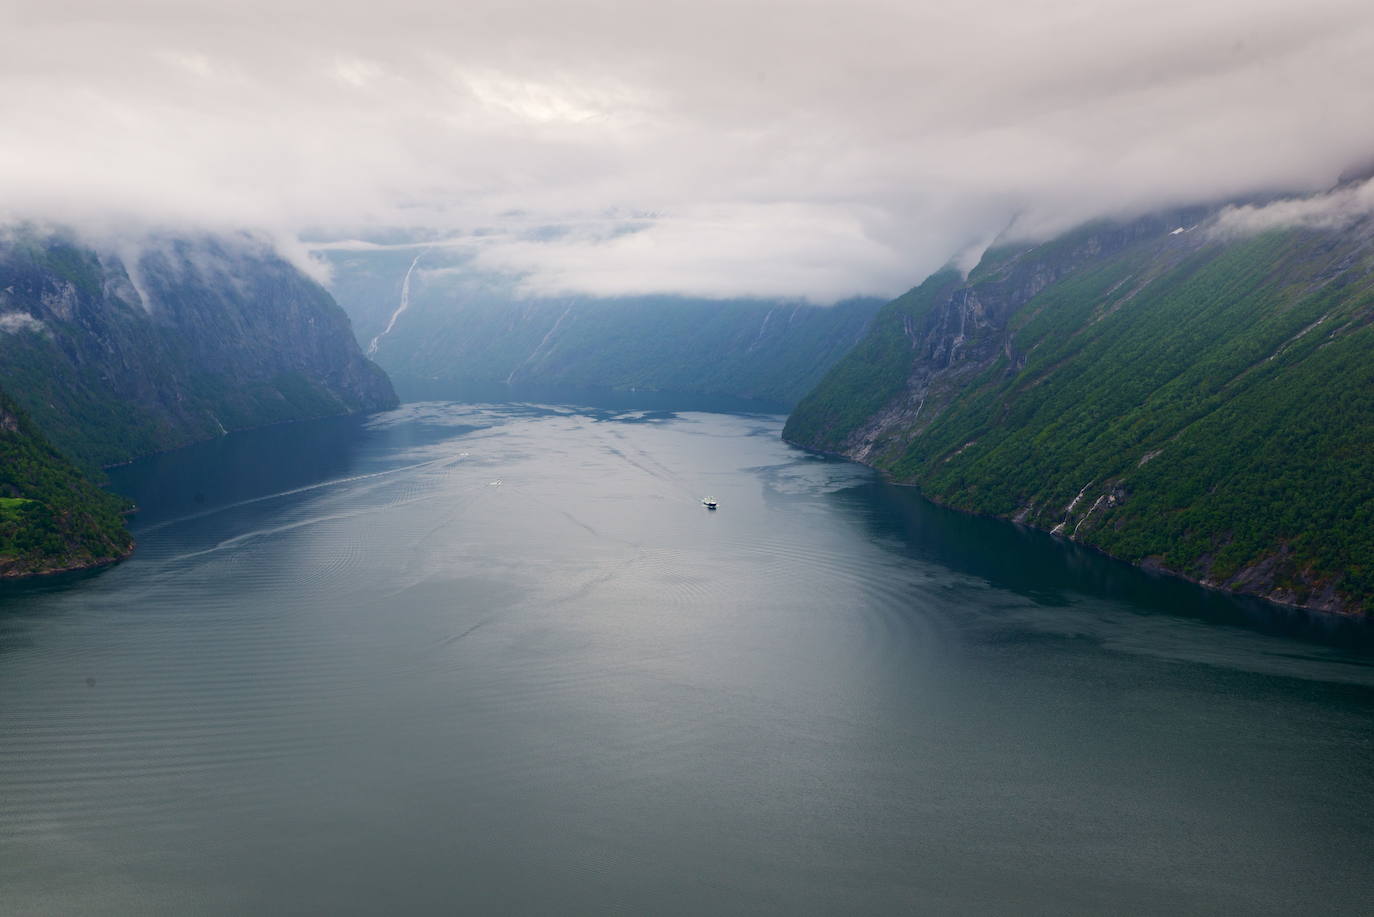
(810, 149)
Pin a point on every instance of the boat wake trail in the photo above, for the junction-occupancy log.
(333, 482)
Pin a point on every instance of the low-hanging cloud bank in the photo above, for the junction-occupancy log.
(1336, 209)
(813, 149)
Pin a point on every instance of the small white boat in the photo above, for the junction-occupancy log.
(708, 502)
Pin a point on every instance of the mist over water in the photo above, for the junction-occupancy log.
(498, 657)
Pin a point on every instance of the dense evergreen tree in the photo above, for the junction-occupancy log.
(51, 516)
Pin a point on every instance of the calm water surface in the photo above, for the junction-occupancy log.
(498, 658)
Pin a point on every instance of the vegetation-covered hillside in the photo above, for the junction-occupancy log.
(1188, 400)
(51, 517)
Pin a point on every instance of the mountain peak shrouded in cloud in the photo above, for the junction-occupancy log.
(1336, 209)
(809, 149)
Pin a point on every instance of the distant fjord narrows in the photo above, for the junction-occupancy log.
(1170, 391)
(427, 315)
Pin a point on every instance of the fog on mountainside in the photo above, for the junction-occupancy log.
(714, 149)
(687, 457)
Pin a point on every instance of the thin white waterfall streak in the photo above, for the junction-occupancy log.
(762, 329)
(404, 304)
(540, 346)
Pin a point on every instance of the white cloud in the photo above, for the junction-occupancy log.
(1335, 209)
(806, 148)
(15, 322)
(766, 249)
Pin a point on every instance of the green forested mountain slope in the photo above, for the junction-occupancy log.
(193, 337)
(51, 517)
(1187, 400)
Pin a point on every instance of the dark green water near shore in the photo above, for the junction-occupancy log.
(498, 658)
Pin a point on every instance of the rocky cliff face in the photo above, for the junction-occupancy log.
(116, 357)
(1190, 401)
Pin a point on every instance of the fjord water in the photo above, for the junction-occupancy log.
(498, 658)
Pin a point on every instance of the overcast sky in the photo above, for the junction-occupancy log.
(814, 149)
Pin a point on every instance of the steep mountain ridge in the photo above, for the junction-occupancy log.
(106, 360)
(433, 317)
(195, 337)
(1185, 399)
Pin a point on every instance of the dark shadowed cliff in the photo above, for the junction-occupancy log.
(197, 336)
(107, 360)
